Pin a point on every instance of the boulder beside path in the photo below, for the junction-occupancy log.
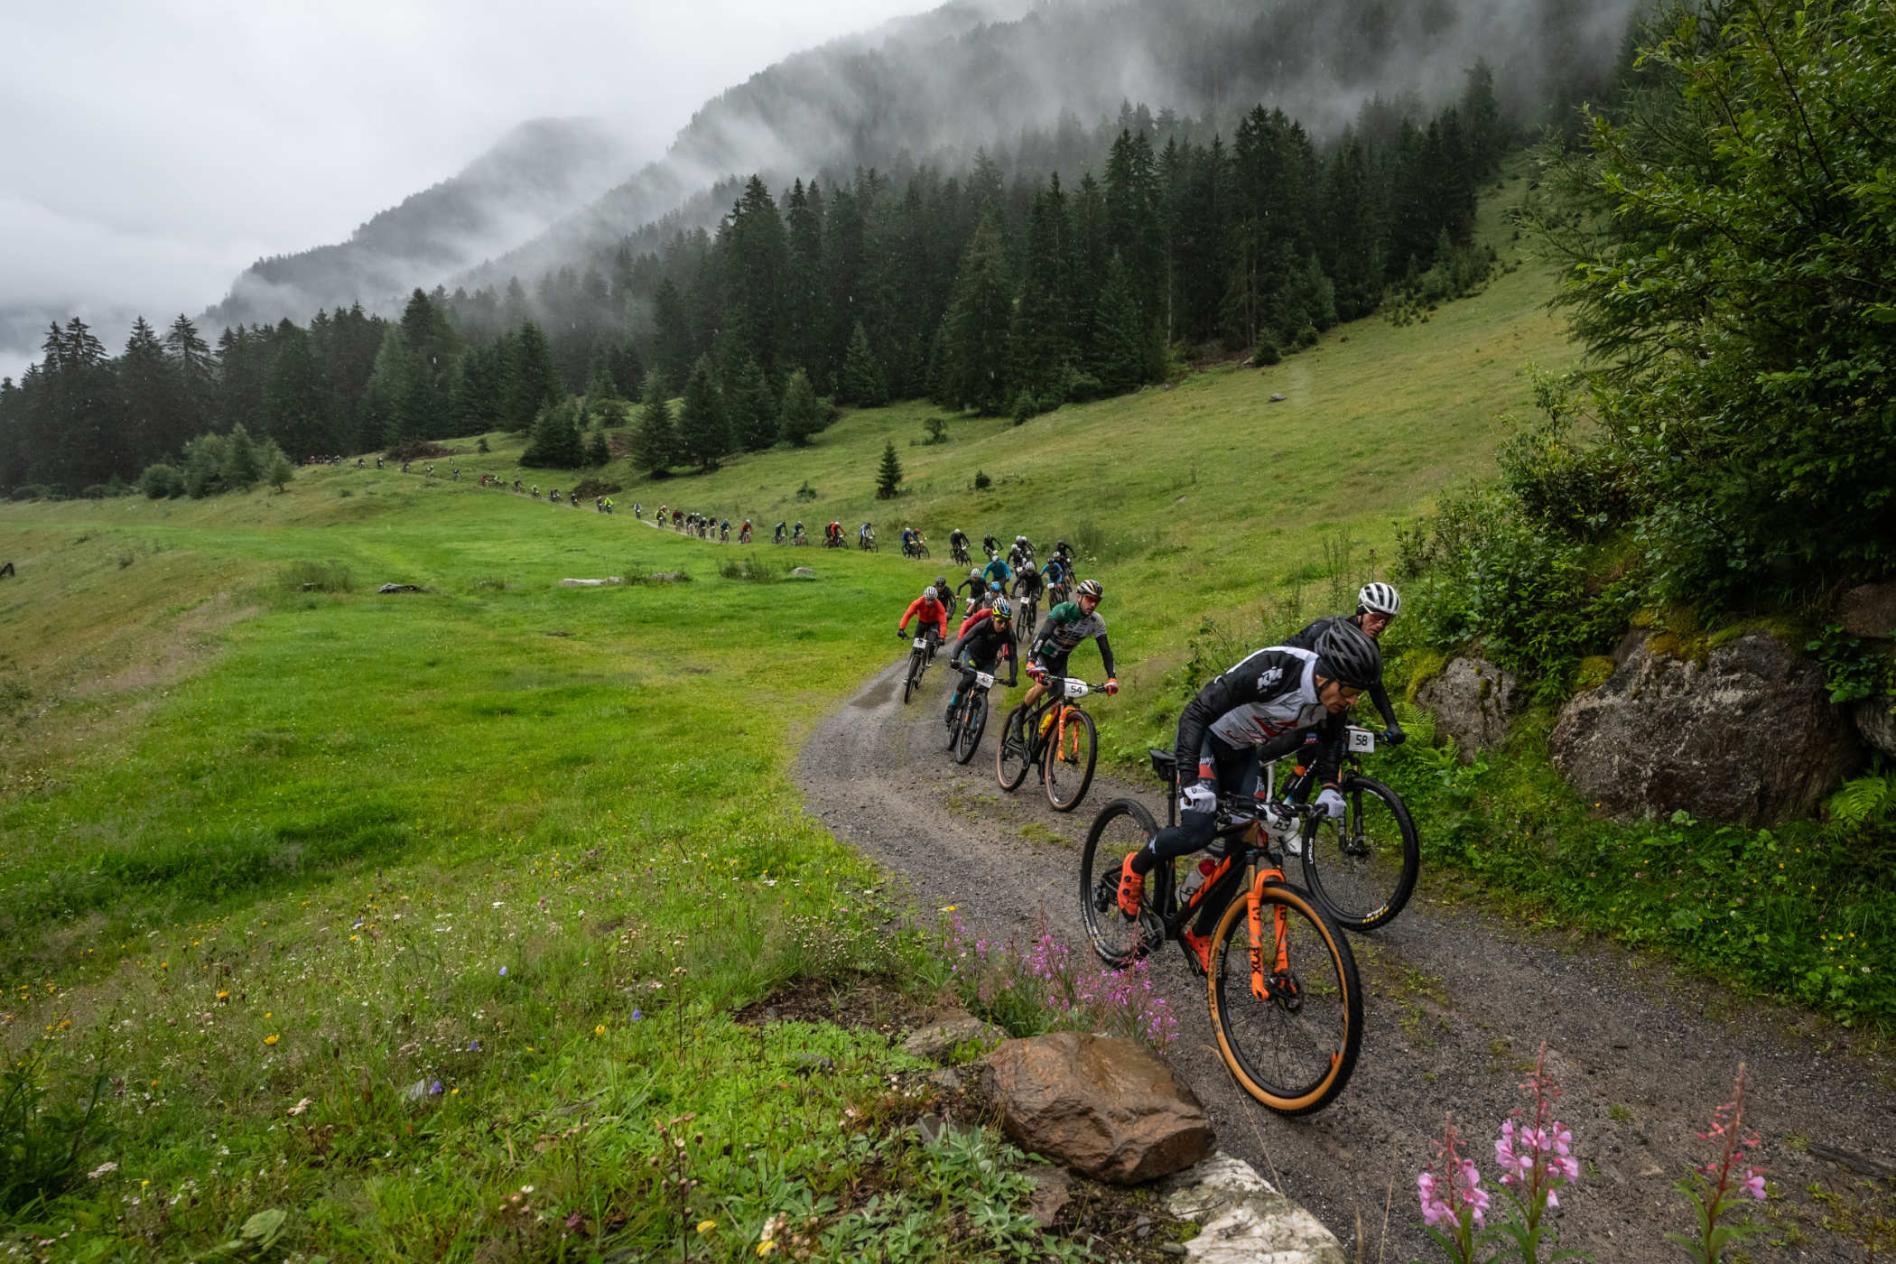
(1099, 1105)
(1747, 735)
(1472, 701)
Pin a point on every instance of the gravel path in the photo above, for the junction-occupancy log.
(1457, 1003)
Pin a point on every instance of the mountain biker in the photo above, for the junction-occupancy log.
(931, 617)
(1279, 690)
(1028, 585)
(908, 538)
(1059, 574)
(983, 639)
(865, 533)
(1377, 605)
(777, 535)
(989, 545)
(945, 594)
(958, 545)
(799, 531)
(1021, 553)
(975, 586)
(1065, 626)
(996, 570)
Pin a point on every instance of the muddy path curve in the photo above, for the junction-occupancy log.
(1457, 1002)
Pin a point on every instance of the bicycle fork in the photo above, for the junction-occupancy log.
(1277, 984)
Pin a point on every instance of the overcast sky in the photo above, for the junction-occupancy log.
(153, 150)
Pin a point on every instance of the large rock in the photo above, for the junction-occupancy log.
(1100, 1105)
(1244, 1220)
(1749, 735)
(940, 1039)
(1472, 700)
(1877, 723)
(1869, 610)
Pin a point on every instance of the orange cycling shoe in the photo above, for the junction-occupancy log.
(1200, 946)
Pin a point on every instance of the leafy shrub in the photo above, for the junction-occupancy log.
(981, 481)
(161, 481)
(33, 491)
(806, 492)
(1266, 354)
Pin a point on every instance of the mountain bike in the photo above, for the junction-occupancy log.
(960, 554)
(1285, 999)
(867, 543)
(921, 654)
(970, 718)
(1361, 866)
(915, 549)
(1056, 736)
(1026, 620)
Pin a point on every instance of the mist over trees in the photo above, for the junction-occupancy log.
(994, 288)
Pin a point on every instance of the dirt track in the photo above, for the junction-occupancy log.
(1456, 1003)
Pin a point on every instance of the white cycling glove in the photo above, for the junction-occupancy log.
(1198, 797)
(1331, 801)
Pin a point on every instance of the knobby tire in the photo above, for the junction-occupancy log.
(1123, 825)
(1055, 772)
(1369, 890)
(1017, 741)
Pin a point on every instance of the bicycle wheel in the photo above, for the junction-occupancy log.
(1294, 1047)
(1122, 826)
(1014, 756)
(973, 721)
(913, 680)
(1068, 770)
(1362, 867)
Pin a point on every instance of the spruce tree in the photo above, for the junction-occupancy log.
(802, 415)
(889, 477)
(655, 438)
(1120, 353)
(147, 396)
(598, 451)
(293, 412)
(243, 463)
(388, 390)
(861, 382)
(702, 434)
(750, 409)
(973, 353)
(555, 441)
(532, 382)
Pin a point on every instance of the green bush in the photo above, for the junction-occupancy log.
(161, 481)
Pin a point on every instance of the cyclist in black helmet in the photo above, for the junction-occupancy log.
(1377, 605)
(1279, 690)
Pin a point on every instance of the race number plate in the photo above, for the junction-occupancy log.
(921, 642)
(1362, 739)
(984, 679)
(1076, 688)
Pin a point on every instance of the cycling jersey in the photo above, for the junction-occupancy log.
(982, 645)
(1029, 587)
(1270, 694)
(997, 571)
(1378, 694)
(1056, 571)
(1065, 626)
(926, 612)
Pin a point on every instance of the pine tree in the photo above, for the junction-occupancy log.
(655, 439)
(802, 415)
(598, 451)
(555, 441)
(277, 471)
(1120, 354)
(889, 477)
(702, 435)
(293, 398)
(147, 396)
(388, 390)
(861, 382)
(533, 384)
(243, 463)
(973, 347)
(1039, 355)
(750, 409)
(195, 372)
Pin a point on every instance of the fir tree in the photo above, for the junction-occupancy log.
(1120, 343)
(889, 477)
(243, 463)
(750, 409)
(861, 382)
(973, 339)
(147, 396)
(702, 435)
(598, 451)
(532, 382)
(655, 439)
(555, 441)
(802, 415)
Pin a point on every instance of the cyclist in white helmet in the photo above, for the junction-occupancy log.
(1377, 605)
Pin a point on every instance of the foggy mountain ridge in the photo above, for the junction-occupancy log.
(966, 77)
(940, 85)
(534, 174)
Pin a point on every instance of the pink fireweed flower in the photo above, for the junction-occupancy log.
(1450, 1184)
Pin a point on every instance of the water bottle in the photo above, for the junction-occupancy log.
(1195, 879)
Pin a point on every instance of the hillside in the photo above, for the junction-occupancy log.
(530, 178)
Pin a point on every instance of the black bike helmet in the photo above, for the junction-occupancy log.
(1348, 655)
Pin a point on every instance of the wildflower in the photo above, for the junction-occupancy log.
(104, 1169)
(706, 1226)
(637, 1015)
(600, 1030)
(271, 1039)
(949, 908)
(300, 1106)
(222, 997)
(503, 969)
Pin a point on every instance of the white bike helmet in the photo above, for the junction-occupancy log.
(929, 594)
(1379, 598)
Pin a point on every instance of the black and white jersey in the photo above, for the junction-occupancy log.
(1269, 694)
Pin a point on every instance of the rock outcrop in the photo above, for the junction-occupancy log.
(1869, 610)
(1099, 1105)
(1877, 723)
(1748, 735)
(1473, 701)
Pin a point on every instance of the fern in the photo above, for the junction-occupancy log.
(1863, 801)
